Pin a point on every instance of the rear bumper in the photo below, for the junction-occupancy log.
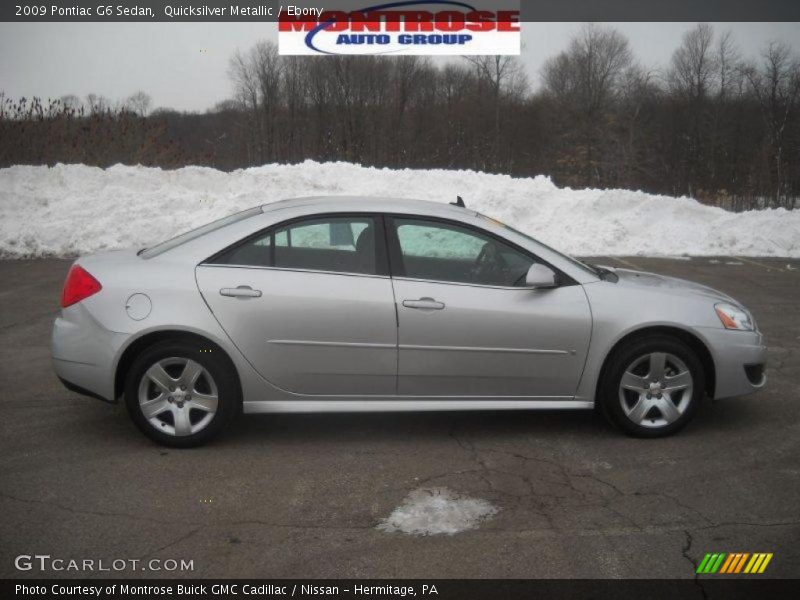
(83, 391)
(83, 353)
(739, 361)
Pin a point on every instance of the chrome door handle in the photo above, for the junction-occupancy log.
(423, 303)
(242, 291)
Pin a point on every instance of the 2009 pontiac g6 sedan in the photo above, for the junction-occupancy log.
(376, 304)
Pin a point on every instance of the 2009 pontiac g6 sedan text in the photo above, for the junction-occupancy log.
(376, 304)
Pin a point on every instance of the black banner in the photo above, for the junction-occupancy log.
(270, 10)
(732, 588)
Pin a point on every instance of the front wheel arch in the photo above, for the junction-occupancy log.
(688, 338)
(141, 344)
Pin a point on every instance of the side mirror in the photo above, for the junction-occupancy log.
(540, 276)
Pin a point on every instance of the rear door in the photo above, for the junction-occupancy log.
(468, 328)
(310, 305)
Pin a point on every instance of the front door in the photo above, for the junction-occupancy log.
(310, 305)
(467, 328)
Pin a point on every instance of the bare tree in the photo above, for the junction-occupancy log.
(692, 79)
(405, 75)
(71, 102)
(140, 103)
(294, 91)
(242, 73)
(268, 67)
(499, 73)
(727, 60)
(585, 81)
(97, 103)
(776, 85)
(320, 98)
(693, 67)
(256, 77)
(638, 94)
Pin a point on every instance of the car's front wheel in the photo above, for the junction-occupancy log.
(179, 394)
(652, 386)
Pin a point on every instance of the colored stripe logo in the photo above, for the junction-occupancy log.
(734, 563)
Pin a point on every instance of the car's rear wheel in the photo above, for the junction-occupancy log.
(179, 394)
(652, 386)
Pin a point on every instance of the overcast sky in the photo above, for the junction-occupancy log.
(184, 65)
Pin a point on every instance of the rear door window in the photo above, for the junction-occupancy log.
(334, 244)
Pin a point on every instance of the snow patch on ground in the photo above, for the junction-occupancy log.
(75, 209)
(431, 511)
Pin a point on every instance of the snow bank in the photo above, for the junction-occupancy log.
(437, 510)
(75, 209)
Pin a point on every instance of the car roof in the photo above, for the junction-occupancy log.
(312, 204)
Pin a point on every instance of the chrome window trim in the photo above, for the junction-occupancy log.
(463, 283)
(345, 273)
(351, 274)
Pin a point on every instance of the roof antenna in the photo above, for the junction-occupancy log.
(459, 202)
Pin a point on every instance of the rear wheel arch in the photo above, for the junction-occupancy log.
(694, 342)
(154, 337)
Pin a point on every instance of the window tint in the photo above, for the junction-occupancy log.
(448, 252)
(340, 244)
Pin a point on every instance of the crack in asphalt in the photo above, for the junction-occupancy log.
(590, 498)
(685, 552)
(566, 479)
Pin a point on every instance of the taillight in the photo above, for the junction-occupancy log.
(78, 286)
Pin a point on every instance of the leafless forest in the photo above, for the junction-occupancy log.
(713, 124)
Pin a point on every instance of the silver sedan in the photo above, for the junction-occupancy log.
(378, 304)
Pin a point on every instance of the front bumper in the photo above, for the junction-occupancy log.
(739, 360)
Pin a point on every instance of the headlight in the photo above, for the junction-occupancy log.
(733, 317)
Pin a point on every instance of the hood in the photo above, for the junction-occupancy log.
(643, 279)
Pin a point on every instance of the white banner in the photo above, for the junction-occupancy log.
(424, 28)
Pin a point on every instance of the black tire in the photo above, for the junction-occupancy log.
(217, 366)
(627, 355)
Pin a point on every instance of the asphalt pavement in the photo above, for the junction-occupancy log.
(301, 495)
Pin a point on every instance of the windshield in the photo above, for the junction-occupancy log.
(574, 261)
(196, 233)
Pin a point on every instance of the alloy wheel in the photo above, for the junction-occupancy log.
(178, 396)
(656, 389)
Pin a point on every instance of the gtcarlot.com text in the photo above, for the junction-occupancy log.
(46, 562)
